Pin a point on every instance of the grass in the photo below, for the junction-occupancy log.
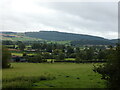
(56, 75)
(72, 59)
(23, 38)
(21, 54)
(17, 54)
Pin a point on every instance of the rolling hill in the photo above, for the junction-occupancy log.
(55, 36)
(74, 38)
(60, 36)
(14, 36)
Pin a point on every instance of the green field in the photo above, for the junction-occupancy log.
(24, 38)
(56, 75)
(21, 54)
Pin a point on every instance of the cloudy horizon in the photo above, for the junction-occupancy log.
(91, 18)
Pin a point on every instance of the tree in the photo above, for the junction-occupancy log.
(69, 50)
(77, 59)
(18, 42)
(47, 55)
(24, 54)
(81, 55)
(6, 55)
(57, 51)
(36, 46)
(60, 56)
(77, 50)
(7, 42)
(110, 71)
(21, 46)
(101, 55)
(49, 48)
(36, 59)
(89, 54)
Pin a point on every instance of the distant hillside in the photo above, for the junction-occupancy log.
(115, 40)
(8, 32)
(55, 36)
(60, 36)
(14, 36)
(74, 38)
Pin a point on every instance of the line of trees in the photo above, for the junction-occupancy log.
(60, 52)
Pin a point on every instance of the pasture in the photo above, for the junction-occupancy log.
(51, 75)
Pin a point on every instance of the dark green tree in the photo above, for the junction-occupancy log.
(46, 55)
(6, 56)
(81, 55)
(24, 54)
(78, 59)
(7, 42)
(89, 54)
(49, 48)
(69, 51)
(36, 46)
(60, 56)
(21, 46)
(102, 55)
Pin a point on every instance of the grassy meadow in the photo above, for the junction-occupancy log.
(21, 54)
(55, 75)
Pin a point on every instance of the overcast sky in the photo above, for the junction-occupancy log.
(92, 18)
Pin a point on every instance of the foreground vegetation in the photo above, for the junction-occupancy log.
(110, 71)
(37, 73)
(56, 75)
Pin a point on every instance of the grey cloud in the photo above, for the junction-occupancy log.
(89, 18)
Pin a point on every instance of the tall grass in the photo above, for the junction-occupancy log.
(56, 75)
(24, 81)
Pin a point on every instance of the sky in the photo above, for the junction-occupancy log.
(91, 18)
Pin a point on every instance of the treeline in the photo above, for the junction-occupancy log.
(91, 42)
(9, 42)
(60, 52)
